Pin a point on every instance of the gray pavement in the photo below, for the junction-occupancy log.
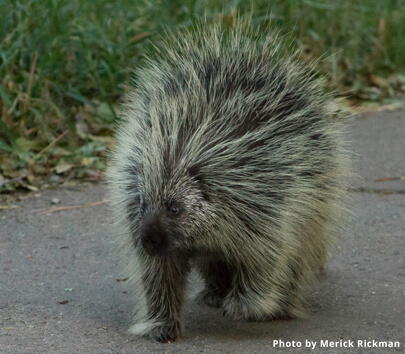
(48, 259)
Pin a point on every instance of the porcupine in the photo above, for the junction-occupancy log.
(231, 159)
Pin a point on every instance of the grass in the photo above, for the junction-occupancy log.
(64, 63)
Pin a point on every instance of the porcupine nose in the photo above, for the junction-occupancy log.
(153, 236)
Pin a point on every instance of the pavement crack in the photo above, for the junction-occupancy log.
(377, 191)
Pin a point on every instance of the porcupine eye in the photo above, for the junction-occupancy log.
(172, 208)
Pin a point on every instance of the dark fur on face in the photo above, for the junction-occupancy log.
(160, 233)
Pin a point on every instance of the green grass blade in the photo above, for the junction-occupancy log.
(7, 132)
(5, 147)
(5, 97)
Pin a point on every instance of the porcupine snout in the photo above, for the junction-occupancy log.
(153, 235)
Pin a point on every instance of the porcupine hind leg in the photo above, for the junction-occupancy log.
(162, 282)
(217, 276)
(256, 295)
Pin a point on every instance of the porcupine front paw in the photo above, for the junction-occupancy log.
(162, 331)
(247, 307)
(237, 307)
(210, 297)
(167, 332)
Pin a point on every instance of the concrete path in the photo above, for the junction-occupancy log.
(59, 288)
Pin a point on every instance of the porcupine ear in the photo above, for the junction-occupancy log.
(196, 173)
